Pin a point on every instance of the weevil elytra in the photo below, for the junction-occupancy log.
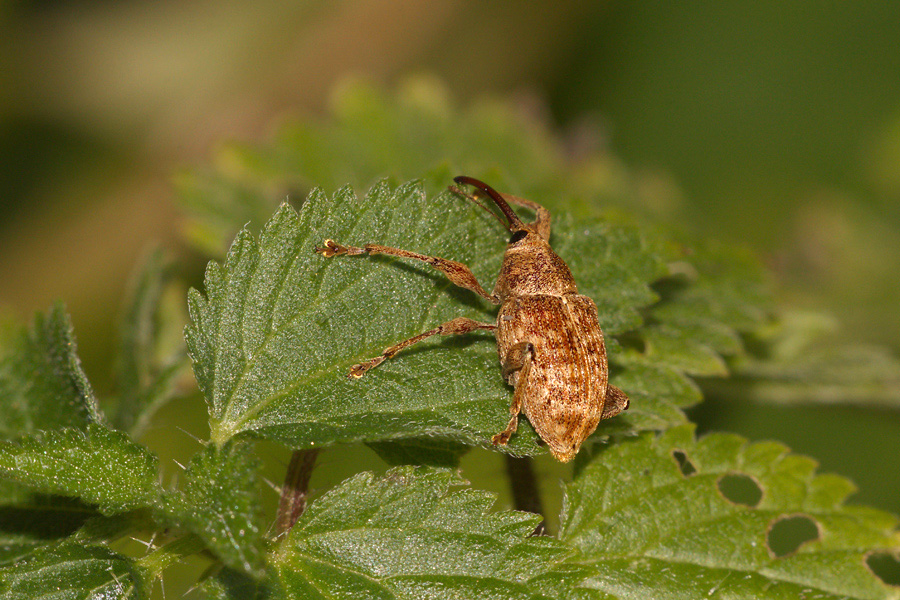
(548, 336)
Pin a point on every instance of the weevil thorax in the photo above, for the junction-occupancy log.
(531, 267)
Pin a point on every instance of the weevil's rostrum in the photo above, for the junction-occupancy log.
(548, 336)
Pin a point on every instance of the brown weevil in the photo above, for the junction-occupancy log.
(548, 336)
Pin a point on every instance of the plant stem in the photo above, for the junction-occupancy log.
(525, 493)
(295, 489)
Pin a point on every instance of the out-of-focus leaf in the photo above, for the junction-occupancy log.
(802, 358)
(145, 380)
(412, 133)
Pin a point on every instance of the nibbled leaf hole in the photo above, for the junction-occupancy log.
(740, 489)
(787, 534)
(684, 463)
(885, 566)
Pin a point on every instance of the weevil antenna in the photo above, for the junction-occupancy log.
(474, 200)
(515, 223)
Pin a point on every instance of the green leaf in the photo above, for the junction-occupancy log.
(673, 517)
(30, 521)
(220, 503)
(801, 357)
(99, 466)
(425, 451)
(414, 132)
(42, 384)
(68, 570)
(406, 536)
(144, 379)
(280, 326)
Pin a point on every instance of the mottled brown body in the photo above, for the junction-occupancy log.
(548, 337)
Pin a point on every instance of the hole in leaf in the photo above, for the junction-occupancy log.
(885, 566)
(740, 489)
(787, 534)
(686, 466)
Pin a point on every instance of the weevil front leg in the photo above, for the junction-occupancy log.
(518, 361)
(455, 327)
(458, 273)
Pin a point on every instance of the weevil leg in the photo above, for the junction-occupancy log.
(455, 327)
(517, 360)
(616, 402)
(541, 221)
(458, 273)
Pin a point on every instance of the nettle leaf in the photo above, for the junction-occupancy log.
(220, 503)
(100, 466)
(68, 570)
(145, 373)
(428, 451)
(801, 357)
(42, 384)
(412, 132)
(29, 521)
(673, 517)
(280, 326)
(407, 536)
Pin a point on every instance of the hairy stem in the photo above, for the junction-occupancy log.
(295, 489)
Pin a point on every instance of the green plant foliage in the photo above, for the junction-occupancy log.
(801, 357)
(416, 132)
(99, 466)
(145, 379)
(280, 326)
(220, 504)
(406, 536)
(649, 530)
(652, 512)
(42, 384)
(69, 570)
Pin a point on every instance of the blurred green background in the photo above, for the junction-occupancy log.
(775, 125)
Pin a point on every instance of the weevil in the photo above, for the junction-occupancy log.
(549, 340)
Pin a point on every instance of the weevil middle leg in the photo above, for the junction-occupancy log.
(517, 361)
(456, 326)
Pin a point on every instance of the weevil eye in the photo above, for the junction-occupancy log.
(517, 236)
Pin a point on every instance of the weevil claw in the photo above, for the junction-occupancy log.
(330, 248)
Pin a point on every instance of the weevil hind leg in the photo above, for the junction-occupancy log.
(457, 326)
(517, 360)
(616, 402)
